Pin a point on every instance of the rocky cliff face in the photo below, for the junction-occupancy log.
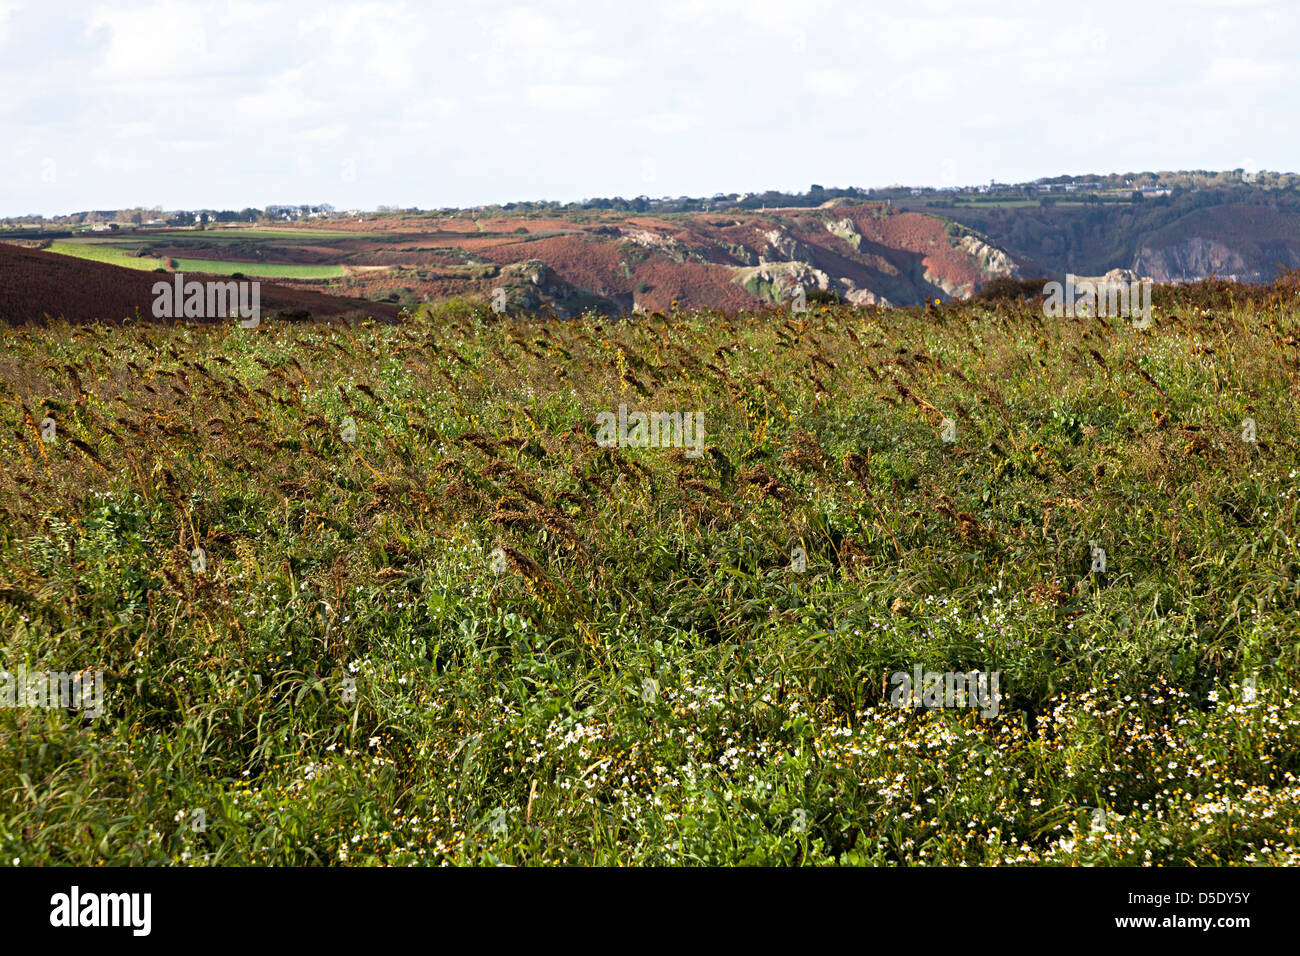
(775, 282)
(1250, 237)
(847, 230)
(1196, 256)
(994, 262)
(533, 285)
(780, 246)
(877, 258)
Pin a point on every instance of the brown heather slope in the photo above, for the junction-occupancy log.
(36, 287)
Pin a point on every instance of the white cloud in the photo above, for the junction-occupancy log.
(831, 82)
(113, 162)
(7, 7)
(1240, 71)
(925, 85)
(669, 123)
(330, 133)
(384, 41)
(281, 103)
(564, 96)
(134, 130)
(523, 33)
(166, 39)
(602, 67)
(239, 102)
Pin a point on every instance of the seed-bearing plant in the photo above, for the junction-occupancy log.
(402, 593)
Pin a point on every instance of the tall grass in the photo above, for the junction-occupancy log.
(437, 623)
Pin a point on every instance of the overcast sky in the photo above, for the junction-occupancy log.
(229, 103)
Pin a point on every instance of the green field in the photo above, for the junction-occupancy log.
(244, 233)
(122, 254)
(378, 595)
(115, 255)
(266, 270)
(998, 203)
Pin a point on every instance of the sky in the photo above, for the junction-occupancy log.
(219, 104)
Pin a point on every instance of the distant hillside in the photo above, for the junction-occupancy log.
(610, 261)
(891, 246)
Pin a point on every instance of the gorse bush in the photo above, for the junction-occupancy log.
(376, 595)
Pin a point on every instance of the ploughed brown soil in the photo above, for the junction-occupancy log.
(37, 287)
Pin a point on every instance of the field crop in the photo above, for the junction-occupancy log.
(434, 621)
(268, 270)
(123, 253)
(112, 254)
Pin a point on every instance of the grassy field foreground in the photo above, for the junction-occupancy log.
(435, 622)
